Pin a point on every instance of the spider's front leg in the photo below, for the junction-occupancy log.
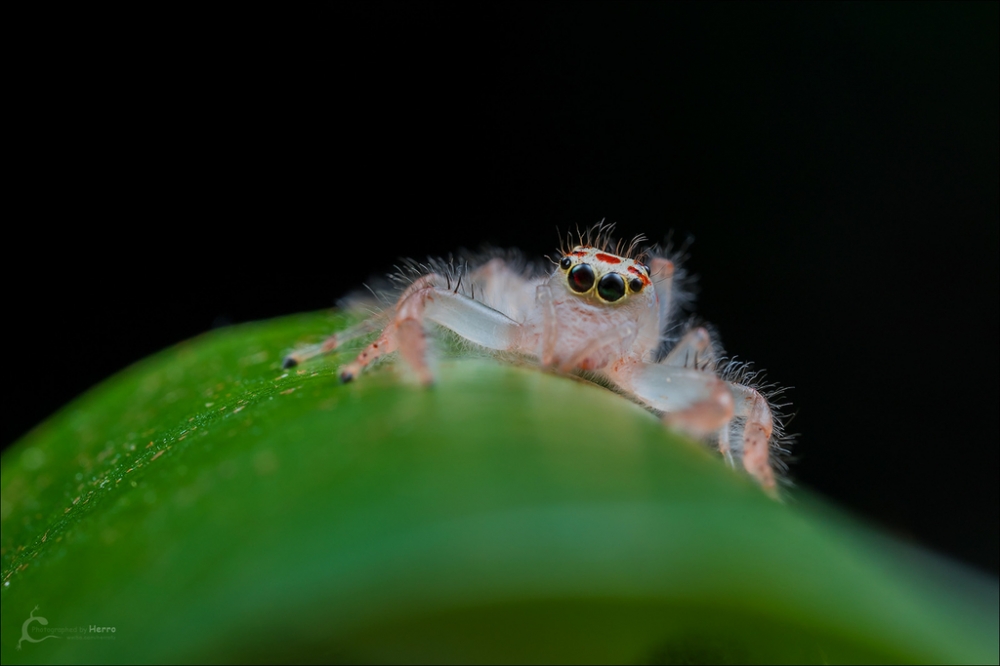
(757, 429)
(429, 300)
(701, 403)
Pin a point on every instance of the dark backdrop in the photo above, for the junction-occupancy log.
(836, 166)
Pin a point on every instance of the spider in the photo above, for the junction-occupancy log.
(603, 311)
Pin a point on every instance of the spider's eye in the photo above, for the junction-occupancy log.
(581, 278)
(645, 267)
(566, 263)
(635, 284)
(611, 287)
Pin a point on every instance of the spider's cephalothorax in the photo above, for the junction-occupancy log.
(603, 310)
(606, 307)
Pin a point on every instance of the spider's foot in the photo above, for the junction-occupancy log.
(289, 362)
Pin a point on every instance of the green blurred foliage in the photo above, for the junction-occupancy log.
(212, 507)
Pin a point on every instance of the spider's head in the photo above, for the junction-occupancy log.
(605, 277)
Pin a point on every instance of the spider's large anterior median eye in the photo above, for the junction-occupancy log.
(581, 278)
(611, 287)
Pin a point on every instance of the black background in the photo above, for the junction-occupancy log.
(836, 166)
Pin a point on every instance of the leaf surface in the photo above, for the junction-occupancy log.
(209, 506)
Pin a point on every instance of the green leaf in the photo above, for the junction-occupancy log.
(209, 506)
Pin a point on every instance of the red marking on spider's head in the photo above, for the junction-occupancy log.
(641, 275)
(578, 253)
(607, 258)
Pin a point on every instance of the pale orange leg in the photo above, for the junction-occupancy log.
(405, 333)
(426, 300)
(385, 344)
(756, 435)
(333, 342)
(709, 414)
(701, 403)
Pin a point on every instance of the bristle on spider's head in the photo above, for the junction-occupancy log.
(600, 236)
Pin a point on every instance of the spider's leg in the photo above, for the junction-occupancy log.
(384, 344)
(662, 273)
(757, 429)
(701, 403)
(334, 341)
(698, 401)
(724, 448)
(693, 400)
(543, 295)
(502, 287)
(693, 350)
(426, 300)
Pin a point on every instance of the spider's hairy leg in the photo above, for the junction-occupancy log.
(334, 341)
(694, 350)
(385, 344)
(757, 430)
(543, 295)
(497, 283)
(662, 273)
(426, 300)
(696, 401)
(702, 404)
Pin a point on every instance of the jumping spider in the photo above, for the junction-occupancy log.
(604, 311)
